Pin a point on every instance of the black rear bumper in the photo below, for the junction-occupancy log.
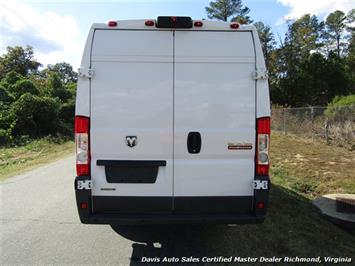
(165, 210)
(128, 219)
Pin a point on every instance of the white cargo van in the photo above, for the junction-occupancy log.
(172, 123)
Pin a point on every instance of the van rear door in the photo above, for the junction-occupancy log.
(132, 121)
(215, 116)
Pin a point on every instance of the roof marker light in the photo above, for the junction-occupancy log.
(149, 23)
(112, 23)
(234, 25)
(198, 23)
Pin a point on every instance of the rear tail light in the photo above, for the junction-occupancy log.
(260, 205)
(262, 146)
(82, 127)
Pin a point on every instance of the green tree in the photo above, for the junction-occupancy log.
(267, 40)
(11, 78)
(66, 116)
(64, 70)
(316, 82)
(302, 39)
(34, 103)
(56, 87)
(35, 116)
(268, 45)
(21, 87)
(350, 49)
(350, 59)
(19, 60)
(5, 97)
(305, 35)
(225, 9)
(335, 29)
(350, 19)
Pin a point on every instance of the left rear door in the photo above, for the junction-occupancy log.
(132, 96)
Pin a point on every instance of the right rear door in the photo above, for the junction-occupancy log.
(214, 97)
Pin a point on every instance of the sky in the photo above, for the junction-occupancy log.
(57, 30)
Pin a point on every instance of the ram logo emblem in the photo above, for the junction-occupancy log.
(131, 141)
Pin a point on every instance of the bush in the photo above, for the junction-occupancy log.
(34, 103)
(47, 116)
(5, 137)
(67, 112)
(66, 115)
(35, 116)
(341, 108)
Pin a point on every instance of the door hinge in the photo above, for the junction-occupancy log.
(86, 73)
(260, 184)
(260, 74)
(84, 184)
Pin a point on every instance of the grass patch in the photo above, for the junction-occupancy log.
(292, 228)
(311, 168)
(15, 160)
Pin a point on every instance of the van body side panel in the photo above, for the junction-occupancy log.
(131, 96)
(215, 96)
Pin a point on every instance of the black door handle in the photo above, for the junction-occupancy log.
(194, 142)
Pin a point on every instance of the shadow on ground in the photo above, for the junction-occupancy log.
(292, 228)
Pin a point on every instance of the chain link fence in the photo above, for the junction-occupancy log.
(334, 125)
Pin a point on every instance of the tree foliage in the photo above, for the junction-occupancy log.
(57, 88)
(34, 103)
(267, 40)
(35, 116)
(228, 9)
(63, 70)
(5, 97)
(313, 63)
(21, 87)
(306, 75)
(335, 30)
(19, 60)
(304, 36)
